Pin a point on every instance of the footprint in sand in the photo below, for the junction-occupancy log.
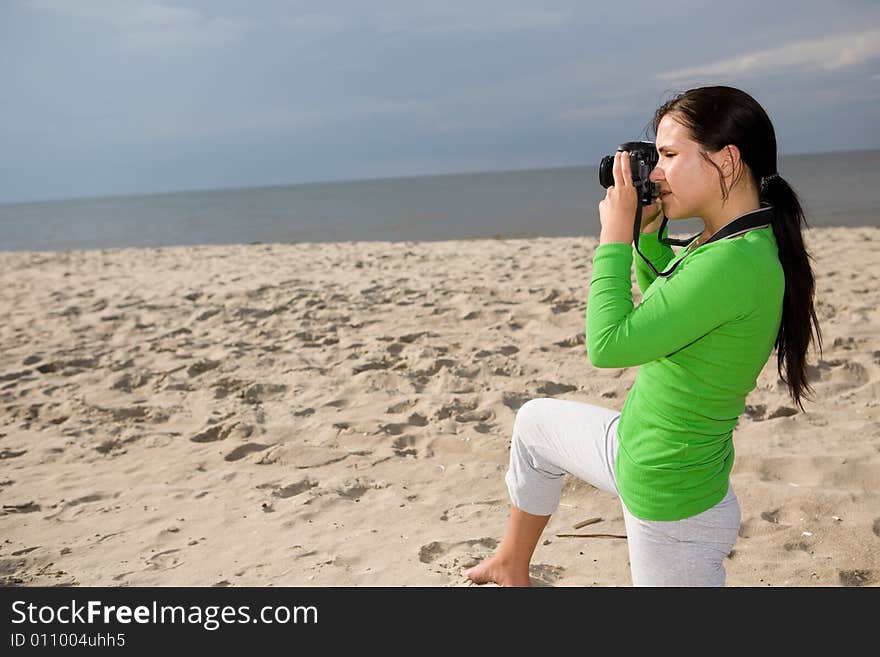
(354, 490)
(25, 507)
(393, 428)
(550, 297)
(165, 560)
(761, 526)
(108, 446)
(845, 373)
(468, 511)
(768, 470)
(795, 546)
(438, 365)
(136, 414)
(755, 412)
(856, 577)
(121, 365)
(13, 376)
(475, 416)
(564, 307)
(286, 492)
(261, 392)
(305, 457)
(457, 406)
(372, 365)
(514, 400)
(551, 388)
(404, 446)
(576, 340)
(412, 337)
(479, 418)
(400, 407)
(457, 554)
(771, 516)
(208, 314)
(544, 574)
(506, 350)
(226, 386)
(131, 381)
(202, 366)
(294, 489)
(397, 428)
(394, 349)
(221, 432)
(417, 420)
(782, 411)
(85, 499)
(243, 450)
(13, 571)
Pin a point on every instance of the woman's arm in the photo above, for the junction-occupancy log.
(711, 288)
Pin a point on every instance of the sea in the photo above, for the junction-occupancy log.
(836, 189)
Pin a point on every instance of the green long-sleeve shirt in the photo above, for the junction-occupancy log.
(702, 337)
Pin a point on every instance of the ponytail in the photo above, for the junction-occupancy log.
(799, 320)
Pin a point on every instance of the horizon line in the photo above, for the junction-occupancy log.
(335, 181)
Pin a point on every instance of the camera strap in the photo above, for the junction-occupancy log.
(755, 219)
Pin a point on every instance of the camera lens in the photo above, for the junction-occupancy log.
(606, 171)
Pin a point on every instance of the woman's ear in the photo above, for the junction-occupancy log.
(731, 160)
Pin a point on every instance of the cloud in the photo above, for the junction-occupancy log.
(320, 23)
(822, 54)
(265, 120)
(450, 24)
(146, 25)
(590, 114)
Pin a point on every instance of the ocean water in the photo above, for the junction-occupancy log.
(836, 189)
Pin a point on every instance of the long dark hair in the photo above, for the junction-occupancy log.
(718, 116)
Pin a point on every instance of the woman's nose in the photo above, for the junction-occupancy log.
(656, 175)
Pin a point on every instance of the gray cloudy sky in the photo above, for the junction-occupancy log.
(107, 97)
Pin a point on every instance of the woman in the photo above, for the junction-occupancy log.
(701, 335)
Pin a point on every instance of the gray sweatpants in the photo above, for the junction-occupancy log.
(552, 437)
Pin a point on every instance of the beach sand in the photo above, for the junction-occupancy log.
(340, 414)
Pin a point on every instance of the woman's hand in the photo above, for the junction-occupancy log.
(652, 217)
(618, 209)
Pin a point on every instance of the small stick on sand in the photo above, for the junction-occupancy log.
(591, 535)
(584, 523)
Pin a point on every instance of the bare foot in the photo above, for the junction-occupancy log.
(494, 570)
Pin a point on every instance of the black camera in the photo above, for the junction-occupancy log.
(642, 160)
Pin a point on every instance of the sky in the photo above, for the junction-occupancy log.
(117, 97)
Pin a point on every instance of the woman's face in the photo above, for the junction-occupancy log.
(689, 185)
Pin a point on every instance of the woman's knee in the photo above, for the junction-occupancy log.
(530, 416)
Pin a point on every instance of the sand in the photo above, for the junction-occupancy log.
(340, 415)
